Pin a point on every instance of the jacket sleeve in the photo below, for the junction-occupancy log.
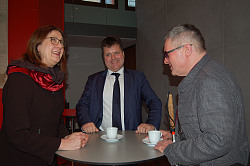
(216, 109)
(153, 102)
(18, 94)
(83, 105)
(63, 131)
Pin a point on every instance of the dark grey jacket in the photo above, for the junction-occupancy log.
(211, 114)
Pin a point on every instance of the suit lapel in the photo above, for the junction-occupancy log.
(100, 87)
(101, 81)
(127, 90)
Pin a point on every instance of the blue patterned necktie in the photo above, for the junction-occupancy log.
(116, 107)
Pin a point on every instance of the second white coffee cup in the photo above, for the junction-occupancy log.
(154, 136)
(112, 132)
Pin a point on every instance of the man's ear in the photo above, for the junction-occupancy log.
(188, 49)
(123, 53)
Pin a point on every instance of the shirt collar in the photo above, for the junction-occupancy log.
(121, 72)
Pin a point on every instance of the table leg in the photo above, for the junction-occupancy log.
(72, 130)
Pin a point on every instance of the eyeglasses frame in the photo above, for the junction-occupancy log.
(168, 52)
(56, 41)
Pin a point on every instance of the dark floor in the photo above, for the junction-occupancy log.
(158, 162)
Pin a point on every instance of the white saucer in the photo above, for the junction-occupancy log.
(146, 141)
(119, 136)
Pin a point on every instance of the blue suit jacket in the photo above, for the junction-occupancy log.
(136, 89)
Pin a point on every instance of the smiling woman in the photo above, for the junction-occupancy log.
(41, 46)
(51, 49)
(33, 103)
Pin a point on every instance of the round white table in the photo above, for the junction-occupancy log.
(128, 150)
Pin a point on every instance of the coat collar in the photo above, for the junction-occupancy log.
(192, 74)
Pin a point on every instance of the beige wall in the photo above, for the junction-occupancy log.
(3, 40)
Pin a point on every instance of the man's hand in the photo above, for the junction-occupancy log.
(89, 127)
(161, 145)
(144, 128)
(166, 135)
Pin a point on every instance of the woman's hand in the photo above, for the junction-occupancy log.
(74, 141)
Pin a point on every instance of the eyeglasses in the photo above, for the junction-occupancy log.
(55, 41)
(166, 53)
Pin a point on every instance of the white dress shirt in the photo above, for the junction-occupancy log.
(108, 99)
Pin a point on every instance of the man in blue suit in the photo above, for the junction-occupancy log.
(94, 109)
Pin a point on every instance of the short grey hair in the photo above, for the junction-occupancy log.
(186, 34)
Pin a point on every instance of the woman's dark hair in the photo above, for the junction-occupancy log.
(32, 54)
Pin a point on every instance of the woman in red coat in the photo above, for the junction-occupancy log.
(33, 103)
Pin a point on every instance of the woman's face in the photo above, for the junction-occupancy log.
(51, 49)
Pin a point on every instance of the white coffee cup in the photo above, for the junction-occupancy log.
(112, 132)
(154, 136)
